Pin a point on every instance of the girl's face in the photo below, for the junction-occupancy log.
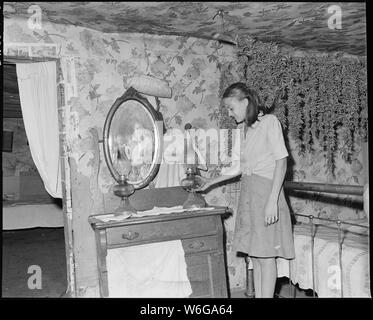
(236, 108)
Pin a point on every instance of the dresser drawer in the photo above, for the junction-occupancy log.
(200, 244)
(135, 234)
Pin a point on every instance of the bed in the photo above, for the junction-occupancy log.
(42, 213)
(326, 249)
(26, 204)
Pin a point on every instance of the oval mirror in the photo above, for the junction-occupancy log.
(132, 140)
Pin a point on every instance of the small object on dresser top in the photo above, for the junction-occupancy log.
(152, 212)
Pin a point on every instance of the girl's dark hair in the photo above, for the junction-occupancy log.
(240, 91)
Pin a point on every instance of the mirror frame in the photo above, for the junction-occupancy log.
(132, 94)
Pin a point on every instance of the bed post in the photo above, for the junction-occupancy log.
(340, 254)
(250, 293)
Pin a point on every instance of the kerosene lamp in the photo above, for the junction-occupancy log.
(193, 178)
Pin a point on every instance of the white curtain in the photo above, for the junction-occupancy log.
(38, 96)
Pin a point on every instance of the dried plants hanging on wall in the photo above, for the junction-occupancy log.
(318, 98)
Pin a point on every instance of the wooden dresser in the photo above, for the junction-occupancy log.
(200, 231)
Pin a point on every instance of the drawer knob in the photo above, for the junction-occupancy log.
(196, 245)
(130, 235)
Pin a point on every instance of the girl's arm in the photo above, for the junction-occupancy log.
(227, 175)
(213, 181)
(271, 211)
(278, 178)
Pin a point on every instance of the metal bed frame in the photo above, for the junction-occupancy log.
(320, 188)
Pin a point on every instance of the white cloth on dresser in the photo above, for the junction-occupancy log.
(156, 270)
(150, 270)
(152, 212)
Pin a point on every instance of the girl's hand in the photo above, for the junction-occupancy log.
(270, 212)
(205, 184)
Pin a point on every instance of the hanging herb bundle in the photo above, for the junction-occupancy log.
(318, 99)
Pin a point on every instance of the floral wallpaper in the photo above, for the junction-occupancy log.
(104, 63)
(194, 68)
(296, 24)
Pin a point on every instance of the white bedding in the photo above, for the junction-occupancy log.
(355, 261)
(24, 216)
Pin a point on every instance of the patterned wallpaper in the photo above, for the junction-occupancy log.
(104, 64)
(297, 24)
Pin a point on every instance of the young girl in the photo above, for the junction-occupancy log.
(263, 224)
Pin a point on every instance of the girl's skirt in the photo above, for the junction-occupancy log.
(251, 235)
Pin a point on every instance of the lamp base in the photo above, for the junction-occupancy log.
(125, 208)
(195, 200)
(124, 190)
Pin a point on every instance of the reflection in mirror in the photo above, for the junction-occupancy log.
(132, 145)
(132, 141)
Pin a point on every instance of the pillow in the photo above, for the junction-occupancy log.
(151, 86)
